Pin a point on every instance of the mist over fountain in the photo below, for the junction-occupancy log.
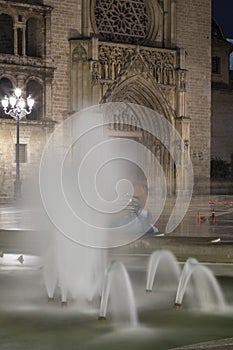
(74, 270)
(101, 201)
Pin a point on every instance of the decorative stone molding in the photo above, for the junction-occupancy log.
(95, 76)
(79, 54)
(125, 121)
(114, 59)
(182, 79)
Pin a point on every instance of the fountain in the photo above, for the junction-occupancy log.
(122, 291)
(50, 275)
(117, 289)
(74, 269)
(205, 287)
(171, 269)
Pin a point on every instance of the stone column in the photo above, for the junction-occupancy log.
(15, 40)
(182, 125)
(47, 38)
(47, 108)
(23, 40)
(167, 23)
(182, 165)
(181, 83)
(95, 72)
(85, 18)
(173, 23)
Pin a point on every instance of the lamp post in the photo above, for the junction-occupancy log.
(17, 107)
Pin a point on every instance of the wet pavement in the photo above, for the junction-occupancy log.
(17, 225)
(19, 217)
(203, 225)
(13, 217)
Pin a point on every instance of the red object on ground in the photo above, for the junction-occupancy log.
(213, 216)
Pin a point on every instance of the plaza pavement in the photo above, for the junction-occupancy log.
(209, 242)
(205, 240)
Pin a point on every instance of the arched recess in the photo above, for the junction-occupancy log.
(139, 90)
(35, 89)
(80, 78)
(34, 37)
(6, 34)
(6, 88)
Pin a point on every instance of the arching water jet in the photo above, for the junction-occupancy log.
(156, 259)
(204, 284)
(117, 286)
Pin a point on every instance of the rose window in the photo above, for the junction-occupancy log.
(123, 21)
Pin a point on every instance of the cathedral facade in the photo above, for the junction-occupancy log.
(71, 54)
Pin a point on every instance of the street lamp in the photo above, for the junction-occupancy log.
(17, 107)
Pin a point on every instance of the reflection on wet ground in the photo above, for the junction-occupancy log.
(20, 217)
(14, 218)
(221, 227)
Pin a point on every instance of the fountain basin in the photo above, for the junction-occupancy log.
(28, 321)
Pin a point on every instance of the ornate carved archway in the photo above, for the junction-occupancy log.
(142, 91)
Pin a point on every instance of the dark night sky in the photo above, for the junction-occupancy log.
(222, 11)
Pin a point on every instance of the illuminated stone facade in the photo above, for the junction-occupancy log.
(70, 54)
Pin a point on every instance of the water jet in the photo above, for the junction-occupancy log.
(204, 285)
(117, 284)
(157, 259)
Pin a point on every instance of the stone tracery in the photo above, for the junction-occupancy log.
(122, 21)
(114, 59)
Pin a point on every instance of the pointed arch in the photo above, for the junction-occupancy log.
(138, 90)
(79, 54)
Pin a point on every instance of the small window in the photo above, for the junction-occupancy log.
(216, 65)
(34, 37)
(6, 34)
(22, 153)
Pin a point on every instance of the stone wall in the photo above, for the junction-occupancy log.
(65, 24)
(34, 135)
(193, 23)
(194, 34)
(222, 123)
